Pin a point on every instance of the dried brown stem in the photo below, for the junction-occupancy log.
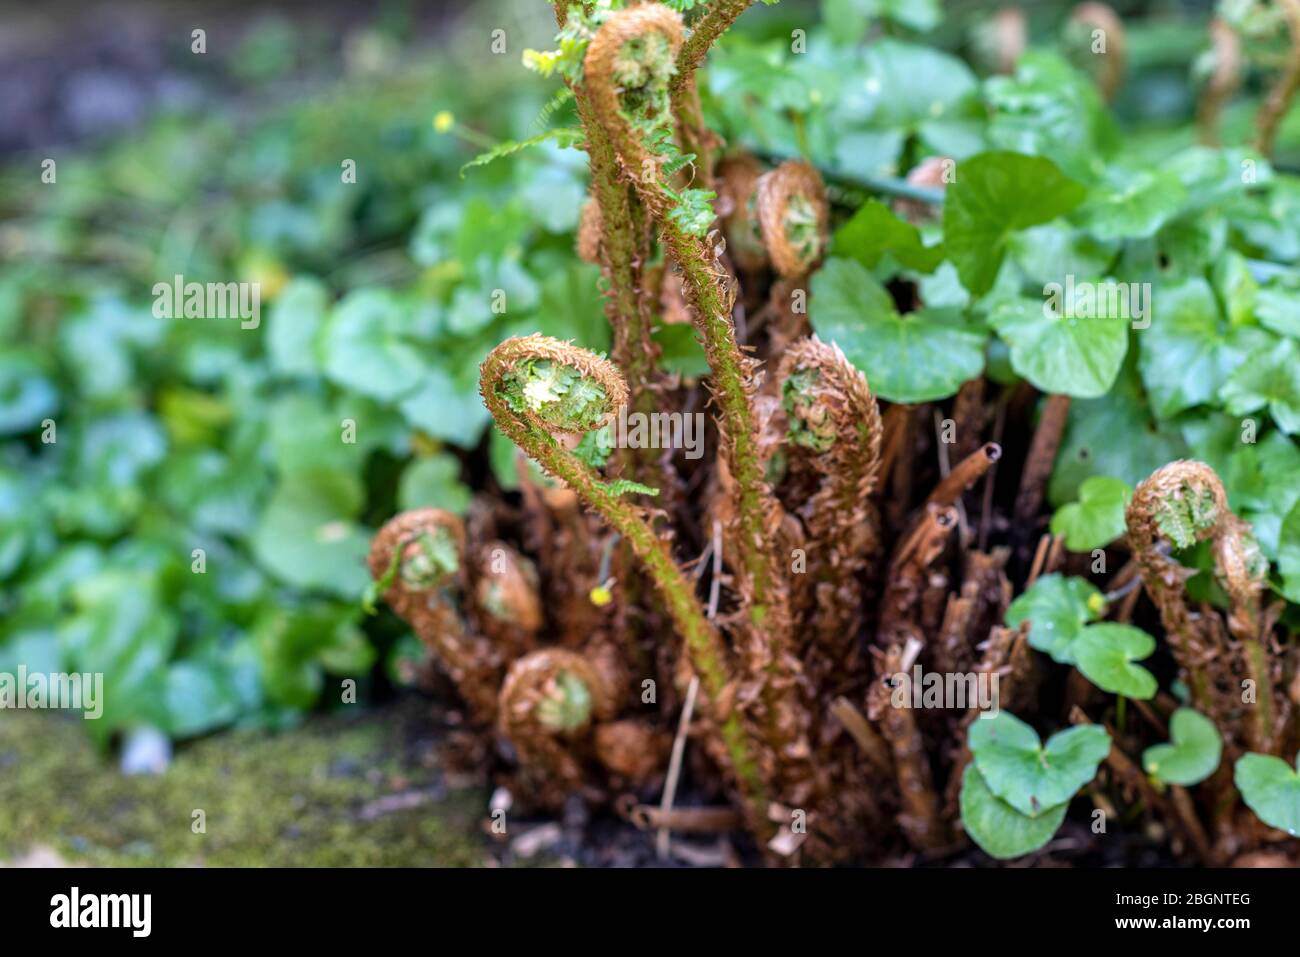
(1279, 98)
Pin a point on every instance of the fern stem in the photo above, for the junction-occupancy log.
(703, 643)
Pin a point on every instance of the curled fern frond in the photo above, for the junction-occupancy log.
(794, 217)
(736, 181)
(835, 426)
(520, 394)
(550, 698)
(555, 386)
(832, 413)
(627, 69)
(507, 588)
(1184, 503)
(415, 559)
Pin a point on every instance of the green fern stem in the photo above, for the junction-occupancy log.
(710, 293)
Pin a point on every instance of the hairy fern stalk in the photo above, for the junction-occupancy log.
(791, 581)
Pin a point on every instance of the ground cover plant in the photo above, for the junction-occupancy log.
(873, 436)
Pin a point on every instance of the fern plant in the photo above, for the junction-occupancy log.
(777, 600)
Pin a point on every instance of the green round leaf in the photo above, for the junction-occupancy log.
(366, 347)
(1187, 353)
(919, 357)
(1105, 654)
(874, 230)
(995, 195)
(999, 829)
(1133, 205)
(1271, 788)
(307, 535)
(1192, 754)
(1097, 519)
(294, 326)
(1057, 609)
(1076, 355)
(434, 482)
(1032, 778)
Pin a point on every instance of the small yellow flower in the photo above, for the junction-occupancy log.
(601, 596)
(444, 121)
(1096, 604)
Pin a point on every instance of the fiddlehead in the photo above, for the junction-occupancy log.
(517, 383)
(416, 562)
(507, 604)
(1184, 503)
(834, 417)
(548, 702)
(794, 217)
(736, 181)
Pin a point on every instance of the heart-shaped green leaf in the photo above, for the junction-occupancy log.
(1097, 519)
(999, 829)
(1188, 352)
(1192, 754)
(919, 357)
(874, 231)
(1271, 788)
(1133, 204)
(1032, 778)
(995, 195)
(1105, 654)
(1069, 352)
(1057, 609)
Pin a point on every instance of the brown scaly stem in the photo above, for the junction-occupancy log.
(698, 138)
(908, 573)
(1223, 81)
(1101, 17)
(919, 817)
(1038, 464)
(530, 430)
(1279, 97)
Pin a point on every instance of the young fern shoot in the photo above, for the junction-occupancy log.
(537, 388)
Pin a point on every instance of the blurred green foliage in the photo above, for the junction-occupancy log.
(128, 442)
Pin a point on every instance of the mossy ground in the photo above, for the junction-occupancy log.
(335, 792)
